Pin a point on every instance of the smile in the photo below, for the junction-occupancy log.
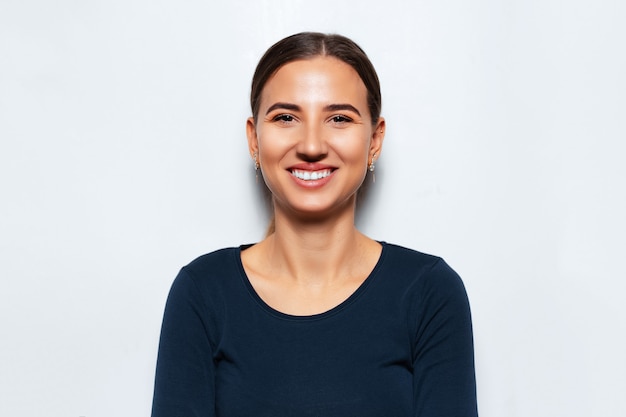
(311, 175)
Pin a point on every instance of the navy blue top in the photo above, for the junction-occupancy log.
(400, 345)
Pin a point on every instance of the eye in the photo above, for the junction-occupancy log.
(340, 119)
(284, 118)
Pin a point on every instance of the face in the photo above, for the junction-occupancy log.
(314, 137)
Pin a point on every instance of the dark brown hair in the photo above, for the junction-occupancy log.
(308, 45)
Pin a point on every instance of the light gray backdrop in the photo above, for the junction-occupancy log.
(123, 157)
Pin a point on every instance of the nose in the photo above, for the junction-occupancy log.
(312, 145)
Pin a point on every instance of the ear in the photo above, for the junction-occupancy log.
(253, 141)
(376, 144)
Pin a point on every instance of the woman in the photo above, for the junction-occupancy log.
(316, 319)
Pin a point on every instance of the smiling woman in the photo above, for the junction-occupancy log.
(314, 137)
(316, 319)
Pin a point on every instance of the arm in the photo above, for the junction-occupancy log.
(185, 375)
(443, 355)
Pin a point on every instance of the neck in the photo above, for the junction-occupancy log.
(316, 252)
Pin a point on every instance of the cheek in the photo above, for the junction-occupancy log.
(272, 145)
(354, 149)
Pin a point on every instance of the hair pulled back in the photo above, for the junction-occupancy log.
(308, 45)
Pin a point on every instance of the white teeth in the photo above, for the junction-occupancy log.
(310, 175)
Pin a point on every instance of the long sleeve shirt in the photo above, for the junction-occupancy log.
(400, 345)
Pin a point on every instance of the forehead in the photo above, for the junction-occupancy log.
(320, 79)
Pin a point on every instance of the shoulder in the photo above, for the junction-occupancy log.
(434, 295)
(422, 271)
(213, 263)
(409, 256)
(411, 261)
(208, 281)
(210, 272)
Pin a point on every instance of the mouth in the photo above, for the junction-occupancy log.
(306, 175)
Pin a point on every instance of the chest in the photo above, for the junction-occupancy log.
(348, 365)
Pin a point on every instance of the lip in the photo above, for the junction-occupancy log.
(311, 167)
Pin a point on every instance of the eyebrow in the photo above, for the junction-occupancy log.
(295, 107)
(286, 106)
(338, 107)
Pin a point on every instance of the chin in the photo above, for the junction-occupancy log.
(321, 210)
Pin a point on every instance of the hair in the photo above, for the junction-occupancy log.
(307, 45)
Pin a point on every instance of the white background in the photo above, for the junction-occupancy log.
(123, 157)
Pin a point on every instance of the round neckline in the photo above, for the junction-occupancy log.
(328, 313)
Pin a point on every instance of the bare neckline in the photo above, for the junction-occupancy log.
(330, 312)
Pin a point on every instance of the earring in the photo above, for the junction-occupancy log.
(371, 167)
(256, 166)
(256, 161)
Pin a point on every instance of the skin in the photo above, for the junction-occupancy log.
(313, 117)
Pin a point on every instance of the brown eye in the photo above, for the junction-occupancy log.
(341, 119)
(284, 118)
